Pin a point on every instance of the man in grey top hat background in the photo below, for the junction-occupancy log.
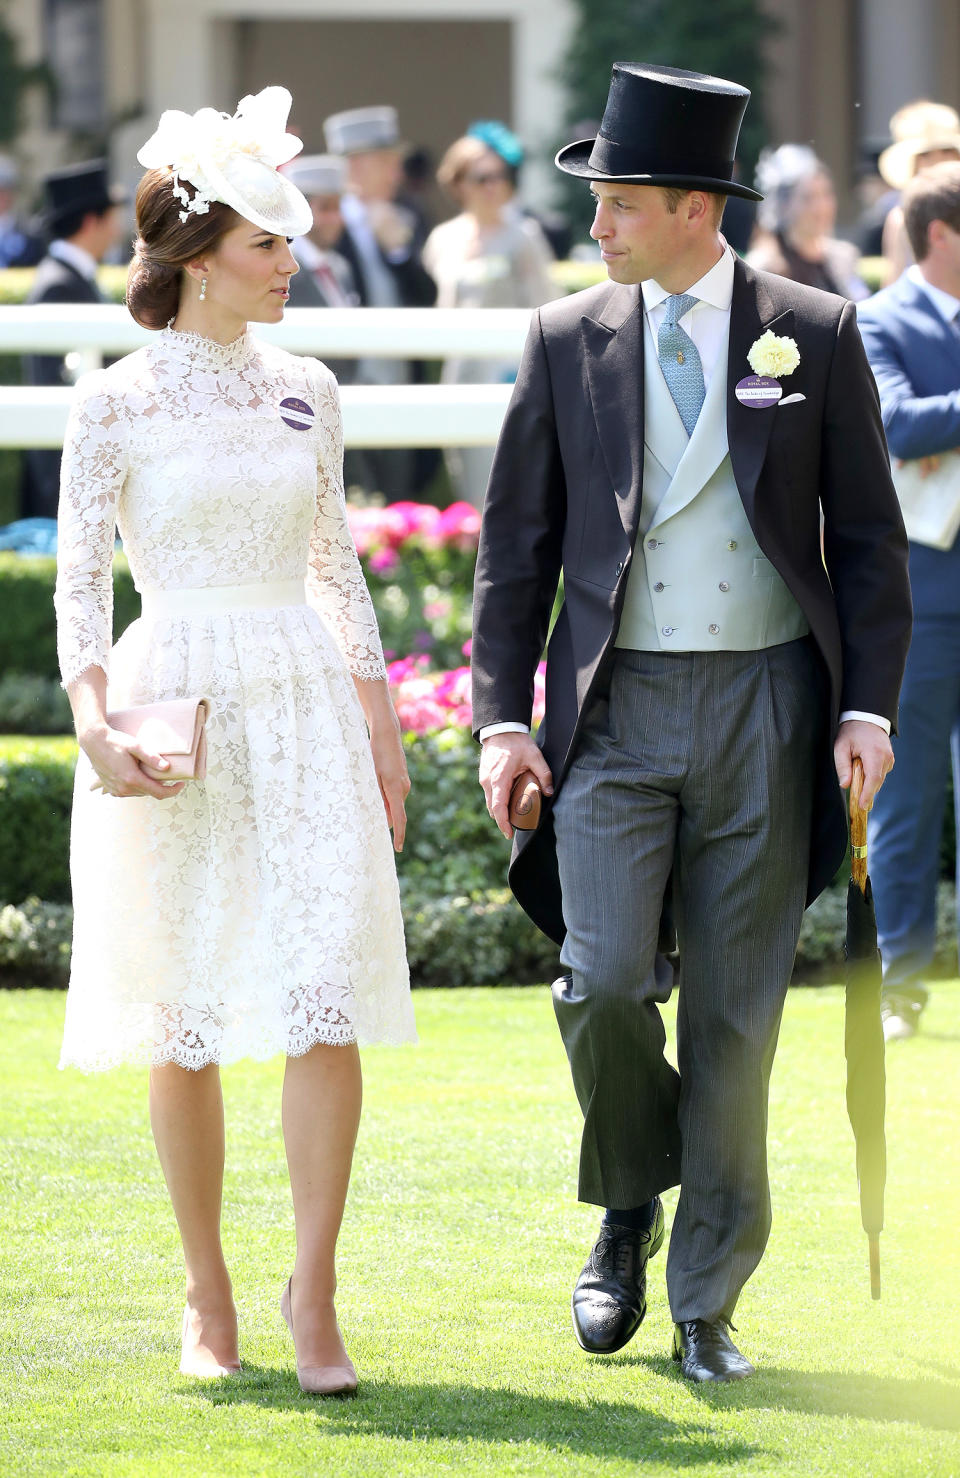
(83, 218)
(711, 677)
(380, 240)
(325, 279)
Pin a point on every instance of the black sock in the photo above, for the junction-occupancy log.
(640, 1218)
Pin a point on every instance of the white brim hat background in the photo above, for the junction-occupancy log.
(234, 160)
(918, 128)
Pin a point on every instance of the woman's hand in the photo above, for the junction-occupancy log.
(116, 758)
(391, 766)
(386, 745)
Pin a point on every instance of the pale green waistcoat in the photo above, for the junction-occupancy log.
(699, 581)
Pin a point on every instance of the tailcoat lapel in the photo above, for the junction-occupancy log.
(613, 349)
(748, 430)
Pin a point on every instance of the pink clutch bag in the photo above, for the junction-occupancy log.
(174, 729)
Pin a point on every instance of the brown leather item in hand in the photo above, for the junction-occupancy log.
(174, 729)
(525, 801)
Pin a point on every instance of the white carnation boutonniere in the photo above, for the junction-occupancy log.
(773, 356)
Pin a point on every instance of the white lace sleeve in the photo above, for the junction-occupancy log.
(335, 584)
(92, 473)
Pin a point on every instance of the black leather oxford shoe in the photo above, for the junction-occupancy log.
(706, 1351)
(610, 1298)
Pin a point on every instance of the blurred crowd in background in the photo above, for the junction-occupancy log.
(395, 228)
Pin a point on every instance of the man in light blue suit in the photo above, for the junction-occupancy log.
(911, 332)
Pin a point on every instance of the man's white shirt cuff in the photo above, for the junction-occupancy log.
(507, 728)
(850, 713)
(868, 718)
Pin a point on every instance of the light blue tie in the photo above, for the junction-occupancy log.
(680, 361)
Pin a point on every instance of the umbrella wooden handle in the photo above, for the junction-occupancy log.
(858, 830)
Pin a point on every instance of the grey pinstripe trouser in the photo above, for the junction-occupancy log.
(702, 763)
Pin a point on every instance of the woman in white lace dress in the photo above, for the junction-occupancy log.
(257, 911)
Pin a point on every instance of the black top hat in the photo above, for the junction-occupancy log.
(76, 189)
(662, 126)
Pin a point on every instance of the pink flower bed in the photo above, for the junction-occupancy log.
(427, 700)
(381, 532)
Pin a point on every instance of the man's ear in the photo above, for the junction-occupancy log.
(936, 234)
(698, 206)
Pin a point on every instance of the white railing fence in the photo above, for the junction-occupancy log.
(373, 416)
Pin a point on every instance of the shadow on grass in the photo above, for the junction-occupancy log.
(421, 1412)
(932, 1403)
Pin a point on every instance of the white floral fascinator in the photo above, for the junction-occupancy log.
(234, 160)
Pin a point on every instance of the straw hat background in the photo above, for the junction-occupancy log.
(918, 128)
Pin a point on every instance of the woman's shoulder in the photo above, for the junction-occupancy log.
(447, 236)
(303, 368)
(116, 382)
(842, 255)
(301, 376)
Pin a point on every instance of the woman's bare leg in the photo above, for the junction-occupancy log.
(322, 1094)
(186, 1112)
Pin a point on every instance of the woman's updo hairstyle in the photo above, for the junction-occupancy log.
(165, 244)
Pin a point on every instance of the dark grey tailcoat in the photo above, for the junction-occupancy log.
(565, 494)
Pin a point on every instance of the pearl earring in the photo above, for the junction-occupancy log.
(203, 288)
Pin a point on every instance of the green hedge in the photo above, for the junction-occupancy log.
(452, 848)
(423, 605)
(462, 926)
(36, 790)
(33, 705)
(15, 284)
(450, 942)
(28, 636)
(457, 941)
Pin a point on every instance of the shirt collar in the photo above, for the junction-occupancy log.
(714, 288)
(76, 257)
(945, 303)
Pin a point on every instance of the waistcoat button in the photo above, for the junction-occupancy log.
(731, 543)
(668, 631)
(659, 586)
(653, 543)
(714, 630)
(724, 586)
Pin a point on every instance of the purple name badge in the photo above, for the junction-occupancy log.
(758, 391)
(296, 413)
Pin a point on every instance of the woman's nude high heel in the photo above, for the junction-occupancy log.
(196, 1359)
(319, 1380)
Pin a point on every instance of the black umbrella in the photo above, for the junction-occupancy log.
(863, 1035)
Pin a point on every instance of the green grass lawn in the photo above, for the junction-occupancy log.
(461, 1245)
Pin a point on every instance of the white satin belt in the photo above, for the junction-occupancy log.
(211, 600)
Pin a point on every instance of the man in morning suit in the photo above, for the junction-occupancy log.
(911, 332)
(708, 682)
(83, 219)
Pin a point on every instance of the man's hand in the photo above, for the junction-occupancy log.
(857, 739)
(502, 758)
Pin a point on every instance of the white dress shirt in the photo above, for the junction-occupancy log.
(706, 324)
(74, 256)
(945, 303)
(706, 321)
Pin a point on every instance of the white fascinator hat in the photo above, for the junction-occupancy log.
(234, 160)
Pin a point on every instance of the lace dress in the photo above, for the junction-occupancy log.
(256, 911)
